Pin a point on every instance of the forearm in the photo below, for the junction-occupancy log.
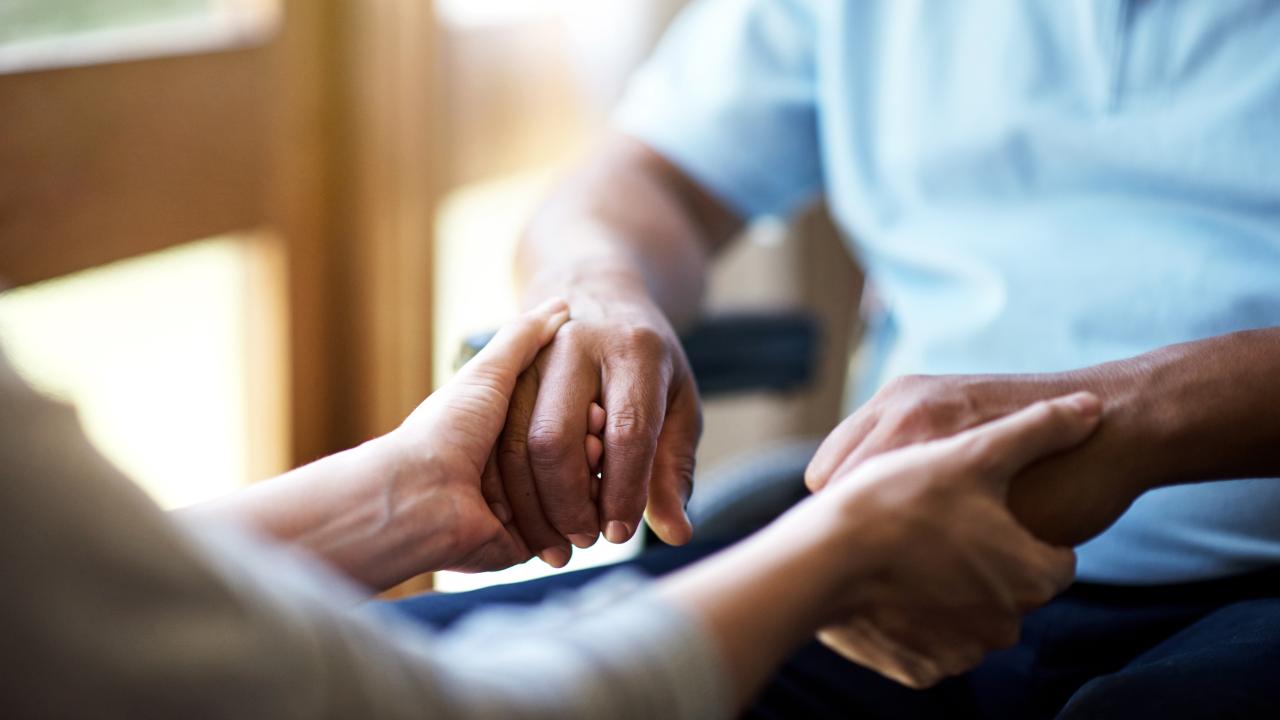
(1202, 410)
(625, 226)
(345, 509)
(1210, 408)
(764, 597)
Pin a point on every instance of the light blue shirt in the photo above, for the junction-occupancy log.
(1032, 186)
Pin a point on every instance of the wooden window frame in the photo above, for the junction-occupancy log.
(321, 132)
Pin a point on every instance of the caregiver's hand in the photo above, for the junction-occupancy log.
(950, 571)
(909, 564)
(419, 498)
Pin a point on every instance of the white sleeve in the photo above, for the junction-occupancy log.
(111, 610)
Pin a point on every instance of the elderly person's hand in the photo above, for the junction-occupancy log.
(627, 359)
(452, 438)
(1066, 498)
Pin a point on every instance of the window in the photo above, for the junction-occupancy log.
(155, 353)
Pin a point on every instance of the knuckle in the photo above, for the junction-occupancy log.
(627, 427)
(573, 332)
(917, 417)
(902, 383)
(548, 440)
(642, 340)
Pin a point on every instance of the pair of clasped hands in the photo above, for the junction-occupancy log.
(928, 536)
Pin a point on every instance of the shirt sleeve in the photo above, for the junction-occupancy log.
(111, 609)
(728, 96)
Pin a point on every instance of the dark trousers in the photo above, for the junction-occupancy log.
(1198, 650)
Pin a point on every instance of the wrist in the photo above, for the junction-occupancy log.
(822, 553)
(1137, 416)
(406, 490)
(603, 274)
(1140, 416)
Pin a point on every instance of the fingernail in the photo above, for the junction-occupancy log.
(501, 512)
(582, 540)
(556, 557)
(1085, 403)
(617, 532)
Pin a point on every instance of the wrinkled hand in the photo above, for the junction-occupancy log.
(451, 438)
(626, 359)
(1064, 499)
(951, 571)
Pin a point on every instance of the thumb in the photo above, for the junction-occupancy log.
(512, 350)
(1003, 447)
(671, 482)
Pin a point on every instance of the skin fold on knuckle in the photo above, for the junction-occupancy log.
(628, 431)
(550, 443)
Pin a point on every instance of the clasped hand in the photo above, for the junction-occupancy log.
(923, 568)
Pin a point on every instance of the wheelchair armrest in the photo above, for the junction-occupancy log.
(737, 352)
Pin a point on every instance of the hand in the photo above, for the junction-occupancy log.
(451, 438)
(947, 572)
(623, 355)
(1064, 499)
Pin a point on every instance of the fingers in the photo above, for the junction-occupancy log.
(673, 467)
(1005, 446)
(595, 448)
(517, 477)
(634, 403)
(1022, 570)
(595, 419)
(838, 446)
(515, 346)
(557, 430)
(1049, 571)
(594, 445)
(866, 644)
(491, 488)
